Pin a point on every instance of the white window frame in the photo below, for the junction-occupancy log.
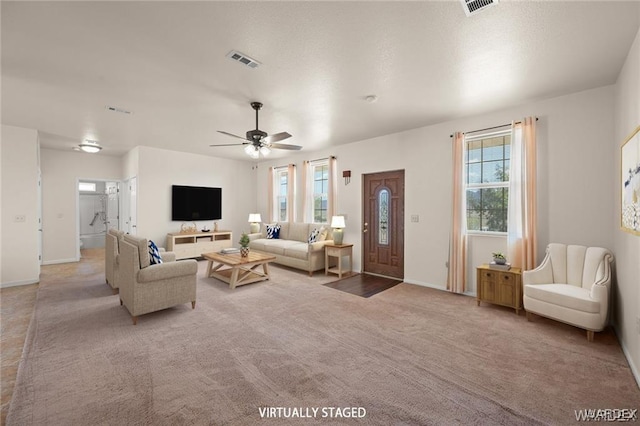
(483, 185)
(278, 198)
(86, 186)
(312, 177)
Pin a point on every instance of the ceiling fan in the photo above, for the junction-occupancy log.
(258, 142)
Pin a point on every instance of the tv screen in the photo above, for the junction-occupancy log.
(196, 203)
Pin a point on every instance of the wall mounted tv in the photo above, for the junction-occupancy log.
(196, 203)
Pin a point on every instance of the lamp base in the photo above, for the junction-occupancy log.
(255, 227)
(337, 237)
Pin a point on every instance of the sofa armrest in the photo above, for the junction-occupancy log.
(318, 245)
(543, 274)
(168, 270)
(255, 236)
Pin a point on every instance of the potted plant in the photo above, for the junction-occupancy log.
(244, 245)
(499, 258)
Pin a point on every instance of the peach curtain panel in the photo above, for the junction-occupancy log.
(291, 192)
(523, 210)
(332, 202)
(457, 279)
(307, 191)
(270, 193)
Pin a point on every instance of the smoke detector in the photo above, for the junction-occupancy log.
(471, 7)
(243, 59)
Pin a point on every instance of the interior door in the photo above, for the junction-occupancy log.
(383, 223)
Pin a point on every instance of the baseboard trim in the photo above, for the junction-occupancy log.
(423, 284)
(58, 261)
(18, 283)
(627, 355)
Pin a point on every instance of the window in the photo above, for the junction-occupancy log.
(281, 185)
(486, 168)
(320, 173)
(87, 186)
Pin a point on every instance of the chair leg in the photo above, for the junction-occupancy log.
(529, 316)
(590, 335)
(193, 304)
(135, 320)
(120, 302)
(115, 291)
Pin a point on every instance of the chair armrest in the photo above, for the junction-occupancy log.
(168, 270)
(543, 274)
(168, 256)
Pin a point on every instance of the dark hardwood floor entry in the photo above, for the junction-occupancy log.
(363, 285)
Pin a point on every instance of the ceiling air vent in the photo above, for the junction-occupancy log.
(243, 59)
(471, 7)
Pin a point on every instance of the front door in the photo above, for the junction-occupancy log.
(383, 223)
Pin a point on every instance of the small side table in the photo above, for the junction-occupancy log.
(339, 251)
(500, 287)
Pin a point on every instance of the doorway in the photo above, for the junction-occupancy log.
(98, 205)
(383, 223)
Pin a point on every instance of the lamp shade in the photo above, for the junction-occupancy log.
(337, 222)
(255, 217)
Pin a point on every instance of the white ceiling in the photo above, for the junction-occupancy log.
(64, 62)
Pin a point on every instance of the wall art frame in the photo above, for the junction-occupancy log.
(630, 183)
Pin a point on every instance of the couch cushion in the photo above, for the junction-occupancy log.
(567, 295)
(298, 232)
(258, 244)
(313, 235)
(297, 250)
(143, 250)
(277, 246)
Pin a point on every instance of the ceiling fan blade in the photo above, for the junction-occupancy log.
(231, 144)
(276, 137)
(232, 135)
(285, 146)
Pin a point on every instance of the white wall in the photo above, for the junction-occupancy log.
(60, 173)
(627, 246)
(158, 169)
(575, 180)
(20, 263)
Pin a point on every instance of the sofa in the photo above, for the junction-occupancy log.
(292, 247)
(146, 287)
(571, 285)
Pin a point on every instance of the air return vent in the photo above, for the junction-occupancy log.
(471, 7)
(243, 59)
(118, 109)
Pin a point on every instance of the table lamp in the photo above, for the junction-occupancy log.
(337, 223)
(254, 219)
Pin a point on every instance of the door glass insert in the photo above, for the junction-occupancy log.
(383, 217)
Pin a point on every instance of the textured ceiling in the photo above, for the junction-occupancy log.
(64, 62)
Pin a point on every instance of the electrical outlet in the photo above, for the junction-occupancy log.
(20, 218)
(415, 218)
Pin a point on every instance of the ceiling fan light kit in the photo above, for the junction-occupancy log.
(258, 142)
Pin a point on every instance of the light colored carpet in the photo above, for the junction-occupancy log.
(409, 355)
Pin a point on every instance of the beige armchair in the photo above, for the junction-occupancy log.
(571, 285)
(148, 288)
(112, 251)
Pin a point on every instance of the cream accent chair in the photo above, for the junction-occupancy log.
(112, 251)
(148, 288)
(572, 286)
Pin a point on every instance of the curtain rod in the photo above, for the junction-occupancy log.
(325, 158)
(490, 128)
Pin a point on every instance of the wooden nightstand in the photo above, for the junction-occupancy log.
(500, 287)
(339, 251)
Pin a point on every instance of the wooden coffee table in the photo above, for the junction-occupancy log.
(239, 270)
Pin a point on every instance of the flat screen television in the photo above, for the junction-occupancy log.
(195, 203)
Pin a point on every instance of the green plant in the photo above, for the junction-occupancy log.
(244, 240)
(498, 256)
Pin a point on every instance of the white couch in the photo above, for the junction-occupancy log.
(571, 285)
(292, 248)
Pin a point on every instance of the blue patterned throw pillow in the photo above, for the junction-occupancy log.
(313, 236)
(273, 231)
(154, 253)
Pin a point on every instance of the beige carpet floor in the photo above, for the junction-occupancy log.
(409, 355)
